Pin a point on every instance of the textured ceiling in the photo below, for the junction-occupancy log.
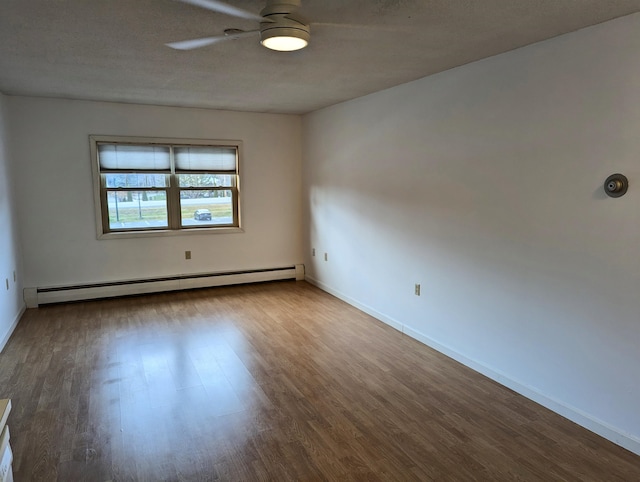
(113, 50)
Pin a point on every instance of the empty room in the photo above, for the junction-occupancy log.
(272, 240)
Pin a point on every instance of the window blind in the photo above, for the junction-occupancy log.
(119, 157)
(205, 159)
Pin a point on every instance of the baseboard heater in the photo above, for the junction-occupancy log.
(59, 294)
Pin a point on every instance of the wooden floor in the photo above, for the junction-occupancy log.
(276, 381)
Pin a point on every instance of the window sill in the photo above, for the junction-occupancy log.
(169, 232)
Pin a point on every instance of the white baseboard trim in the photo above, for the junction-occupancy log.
(14, 324)
(605, 430)
(60, 294)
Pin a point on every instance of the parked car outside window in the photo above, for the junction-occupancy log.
(202, 215)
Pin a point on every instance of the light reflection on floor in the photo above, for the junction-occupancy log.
(166, 377)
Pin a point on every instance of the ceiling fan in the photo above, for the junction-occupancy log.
(281, 27)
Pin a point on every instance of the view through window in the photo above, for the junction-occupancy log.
(146, 185)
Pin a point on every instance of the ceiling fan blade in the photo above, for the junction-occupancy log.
(225, 8)
(203, 42)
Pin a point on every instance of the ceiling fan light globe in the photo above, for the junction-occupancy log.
(284, 39)
(284, 44)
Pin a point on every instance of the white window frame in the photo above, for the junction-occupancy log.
(173, 204)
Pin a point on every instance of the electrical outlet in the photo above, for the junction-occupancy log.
(313, 252)
(417, 289)
(7, 280)
(187, 255)
(326, 257)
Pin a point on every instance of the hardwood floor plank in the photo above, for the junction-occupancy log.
(268, 382)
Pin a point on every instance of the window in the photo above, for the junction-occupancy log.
(165, 186)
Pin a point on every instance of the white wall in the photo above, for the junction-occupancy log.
(11, 303)
(484, 184)
(53, 182)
